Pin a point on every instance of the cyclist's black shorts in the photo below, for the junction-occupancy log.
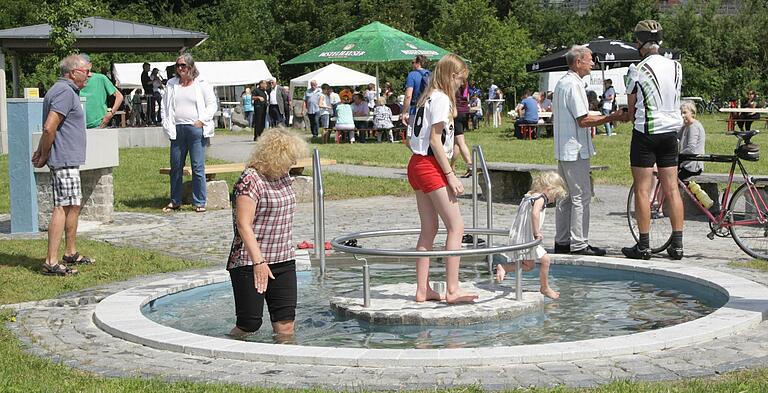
(647, 150)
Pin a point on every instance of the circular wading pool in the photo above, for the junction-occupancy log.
(595, 302)
(608, 307)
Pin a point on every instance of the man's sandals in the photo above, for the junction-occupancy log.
(77, 259)
(57, 270)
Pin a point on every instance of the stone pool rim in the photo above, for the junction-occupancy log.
(120, 315)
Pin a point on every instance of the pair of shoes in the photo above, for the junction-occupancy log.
(351, 243)
(469, 239)
(468, 174)
(562, 248)
(675, 253)
(57, 270)
(200, 209)
(589, 250)
(635, 252)
(77, 259)
(305, 245)
(171, 207)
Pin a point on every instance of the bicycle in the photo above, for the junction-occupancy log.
(745, 219)
(711, 106)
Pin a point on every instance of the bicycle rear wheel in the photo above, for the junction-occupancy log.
(745, 211)
(660, 233)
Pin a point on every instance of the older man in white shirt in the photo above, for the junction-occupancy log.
(573, 150)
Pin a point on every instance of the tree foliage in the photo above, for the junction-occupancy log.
(65, 17)
(722, 54)
(497, 49)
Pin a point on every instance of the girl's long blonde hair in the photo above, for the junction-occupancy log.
(549, 181)
(276, 151)
(442, 79)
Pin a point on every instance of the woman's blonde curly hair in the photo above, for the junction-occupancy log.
(276, 150)
(549, 180)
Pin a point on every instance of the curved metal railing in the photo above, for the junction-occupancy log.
(337, 244)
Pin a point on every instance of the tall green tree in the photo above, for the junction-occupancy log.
(497, 49)
(65, 18)
(617, 18)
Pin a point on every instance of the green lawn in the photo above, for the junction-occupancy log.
(499, 146)
(140, 187)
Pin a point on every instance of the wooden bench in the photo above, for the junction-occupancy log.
(218, 191)
(212, 170)
(510, 181)
(340, 134)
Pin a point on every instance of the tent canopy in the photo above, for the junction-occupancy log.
(217, 73)
(105, 35)
(606, 53)
(372, 43)
(334, 75)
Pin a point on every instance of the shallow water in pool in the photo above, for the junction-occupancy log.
(594, 303)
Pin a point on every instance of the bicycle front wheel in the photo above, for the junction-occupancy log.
(746, 210)
(660, 233)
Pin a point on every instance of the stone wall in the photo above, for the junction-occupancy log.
(98, 196)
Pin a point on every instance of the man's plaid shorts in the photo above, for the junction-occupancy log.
(66, 186)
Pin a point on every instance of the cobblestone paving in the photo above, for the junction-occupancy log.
(77, 342)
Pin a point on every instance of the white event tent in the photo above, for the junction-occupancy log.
(217, 73)
(334, 75)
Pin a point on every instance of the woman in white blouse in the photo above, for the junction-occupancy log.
(189, 105)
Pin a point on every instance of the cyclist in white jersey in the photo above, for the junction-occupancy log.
(653, 102)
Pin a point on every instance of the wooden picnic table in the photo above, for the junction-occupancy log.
(732, 119)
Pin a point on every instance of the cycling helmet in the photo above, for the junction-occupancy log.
(749, 152)
(648, 31)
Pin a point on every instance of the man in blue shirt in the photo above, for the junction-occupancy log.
(62, 149)
(527, 112)
(415, 84)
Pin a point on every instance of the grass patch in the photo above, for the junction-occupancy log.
(21, 280)
(755, 264)
(499, 146)
(140, 187)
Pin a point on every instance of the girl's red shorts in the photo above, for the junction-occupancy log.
(425, 174)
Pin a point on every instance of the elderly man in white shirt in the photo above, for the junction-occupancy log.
(573, 149)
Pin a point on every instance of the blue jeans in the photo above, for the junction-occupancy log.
(188, 140)
(249, 118)
(608, 126)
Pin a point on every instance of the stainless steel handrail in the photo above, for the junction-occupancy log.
(337, 244)
(318, 207)
(478, 156)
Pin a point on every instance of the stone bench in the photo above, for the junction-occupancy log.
(218, 191)
(510, 181)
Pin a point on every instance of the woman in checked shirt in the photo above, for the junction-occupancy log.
(261, 262)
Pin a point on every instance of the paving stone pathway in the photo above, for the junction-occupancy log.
(77, 342)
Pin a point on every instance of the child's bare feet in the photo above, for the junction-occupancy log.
(429, 295)
(460, 297)
(550, 293)
(501, 272)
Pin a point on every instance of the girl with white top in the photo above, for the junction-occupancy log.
(436, 185)
(546, 187)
